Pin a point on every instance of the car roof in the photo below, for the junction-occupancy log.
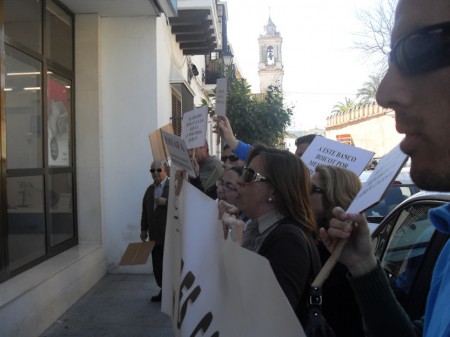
(419, 196)
(429, 195)
(423, 196)
(403, 177)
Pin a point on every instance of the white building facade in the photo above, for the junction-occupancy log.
(70, 207)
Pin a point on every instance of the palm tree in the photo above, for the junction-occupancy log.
(344, 107)
(368, 92)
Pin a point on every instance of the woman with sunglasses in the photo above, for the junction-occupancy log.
(333, 186)
(274, 193)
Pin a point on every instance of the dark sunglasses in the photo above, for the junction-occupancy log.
(315, 189)
(422, 50)
(249, 176)
(159, 170)
(231, 158)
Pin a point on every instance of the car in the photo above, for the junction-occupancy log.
(407, 246)
(401, 188)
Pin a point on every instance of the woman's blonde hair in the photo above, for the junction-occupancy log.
(340, 187)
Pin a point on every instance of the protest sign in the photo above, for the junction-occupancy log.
(178, 152)
(221, 96)
(377, 184)
(193, 127)
(214, 286)
(159, 150)
(329, 152)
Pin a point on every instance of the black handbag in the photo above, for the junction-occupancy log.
(316, 324)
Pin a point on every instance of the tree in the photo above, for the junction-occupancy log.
(367, 93)
(374, 42)
(375, 37)
(257, 120)
(344, 106)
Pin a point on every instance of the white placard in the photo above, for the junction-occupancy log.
(215, 286)
(329, 152)
(379, 181)
(193, 127)
(178, 152)
(221, 96)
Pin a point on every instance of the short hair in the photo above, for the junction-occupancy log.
(161, 163)
(307, 139)
(340, 187)
(291, 181)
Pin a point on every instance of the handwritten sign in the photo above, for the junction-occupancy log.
(380, 179)
(221, 96)
(193, 127)
(329, 152)
(178, 152)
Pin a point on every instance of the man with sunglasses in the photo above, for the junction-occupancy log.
(154, 216)
(229, 158)
(417, 87)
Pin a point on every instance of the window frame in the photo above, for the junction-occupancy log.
(45, 171)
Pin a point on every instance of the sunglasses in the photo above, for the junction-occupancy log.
(159, 170)
(422, 50)
(228, 187)
(231, 158)
(249, 176)
(315, 189)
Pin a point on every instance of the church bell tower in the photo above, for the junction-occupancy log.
(270, 69)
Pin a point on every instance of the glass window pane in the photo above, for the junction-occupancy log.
(61, 210)
(23, 110)
(59, 120)
(26, 220)
(23, 22)
(59, 35)
(406, 248)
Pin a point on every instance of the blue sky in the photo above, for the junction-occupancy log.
(321, 65)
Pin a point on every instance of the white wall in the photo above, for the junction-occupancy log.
(377, 134)
(129, 114)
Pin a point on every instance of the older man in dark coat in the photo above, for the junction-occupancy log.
(154, 216)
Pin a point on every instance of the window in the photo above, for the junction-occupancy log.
(38, 209)
(402, 246)
(176, 113)
(270, 56)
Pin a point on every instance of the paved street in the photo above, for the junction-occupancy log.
(118, 306)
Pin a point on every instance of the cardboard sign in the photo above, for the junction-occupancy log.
(329, 152)
(137, 253)
(221, 96)
(380, 179)
(193, 127)
(212, 286)
(178, 152)
(159, 150)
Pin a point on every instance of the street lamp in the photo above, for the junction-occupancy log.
(227, 59)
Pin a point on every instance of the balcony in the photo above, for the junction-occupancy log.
(196, 26)
(213, 70)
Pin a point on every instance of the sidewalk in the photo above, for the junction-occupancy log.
(118, 306)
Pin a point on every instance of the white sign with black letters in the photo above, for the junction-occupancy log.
(329, 152)
(379, 181)
(178, 152)
(221, 96)
(193, 127)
